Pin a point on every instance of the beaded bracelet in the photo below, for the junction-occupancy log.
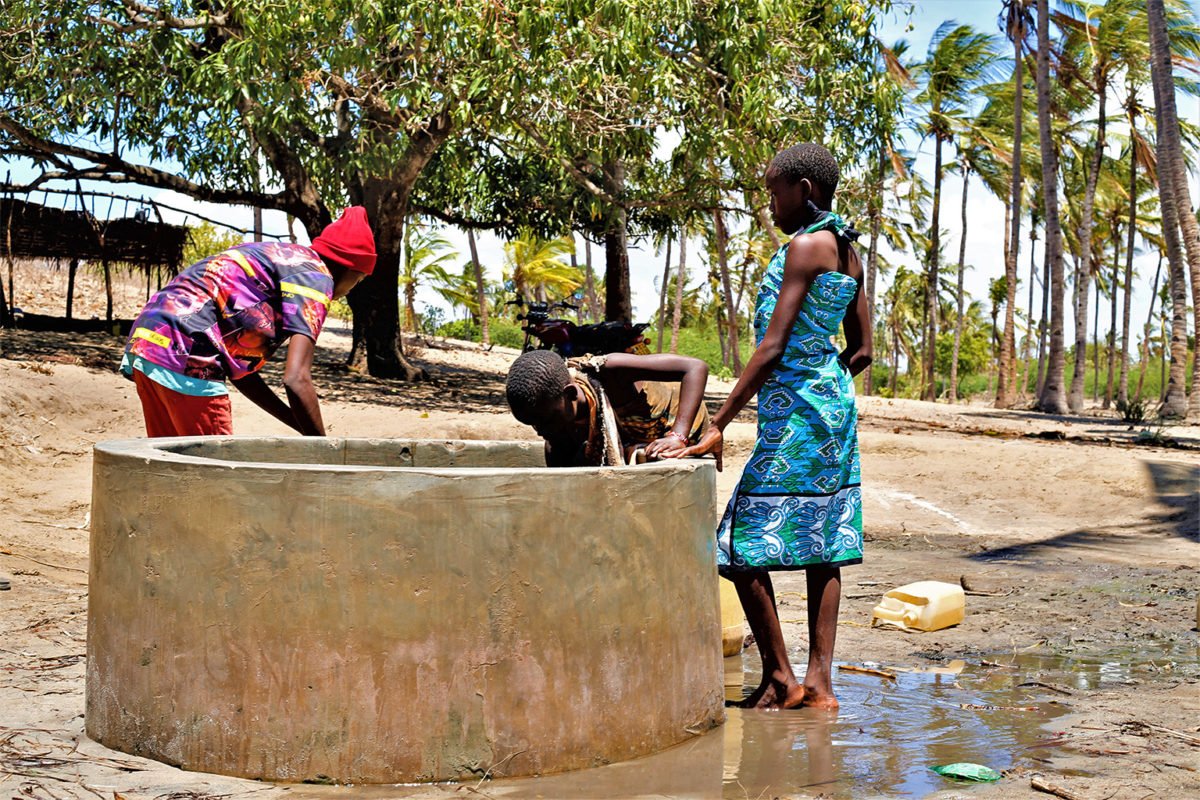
(678, 436)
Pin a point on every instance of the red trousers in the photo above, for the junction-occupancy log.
(169, 413)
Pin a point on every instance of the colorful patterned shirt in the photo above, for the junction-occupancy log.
(223, 317)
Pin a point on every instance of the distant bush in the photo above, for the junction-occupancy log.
(503, 332)
(702, 342)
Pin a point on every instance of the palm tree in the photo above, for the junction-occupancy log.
(1016, 26)
(1176, 210)
(425, 253)
(1052, 398)
(902, 319)
(1100, 30)
(978, 154)
(894, 76)
(535, 265)
(959, 60)
(1141, 161)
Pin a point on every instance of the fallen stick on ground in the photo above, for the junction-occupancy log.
(1187, 737)
(1037, 784)
(1045, 686)
(8, 552)
(868, 671)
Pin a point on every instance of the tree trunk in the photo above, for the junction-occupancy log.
(374, 301)
(618, 304)
(12, 298)
(1005, 391)
(1026, 362)
(108, 292)
(895, 358)
(1145, 357)
(1052, 399)
(962, 259)
(74, 265)
(595, 312)
(1171, 162)
(1123, 382)
(1175, 402)
(931, 277)
(680, 280)
(1043, 324)
(410, 307)
(1115, 282)
(721, 339)
(875, 210)
(1162, 363)
(1096, 342)
(662, 295)
(485, 335)
(5, 314)
(356, 359)
(1084, 271)
(731, 312)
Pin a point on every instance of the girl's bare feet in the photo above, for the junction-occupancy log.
(819, 698)
(775, 694)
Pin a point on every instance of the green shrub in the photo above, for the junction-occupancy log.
(503, 332)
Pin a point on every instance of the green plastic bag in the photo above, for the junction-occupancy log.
(967, 772)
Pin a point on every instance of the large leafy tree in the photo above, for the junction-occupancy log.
(728, 82)
(335, 102)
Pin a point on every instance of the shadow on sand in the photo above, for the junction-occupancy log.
(1176, 488)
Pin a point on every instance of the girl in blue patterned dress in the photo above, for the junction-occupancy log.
(798, 505)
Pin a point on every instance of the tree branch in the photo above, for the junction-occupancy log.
(113, 169)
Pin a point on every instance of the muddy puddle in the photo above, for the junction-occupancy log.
(881, 744)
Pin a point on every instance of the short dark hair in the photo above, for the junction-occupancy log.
(807, 160)
(535, 378)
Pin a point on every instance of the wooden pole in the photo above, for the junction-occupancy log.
(74, 265)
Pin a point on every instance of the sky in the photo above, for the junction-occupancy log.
(985, 211)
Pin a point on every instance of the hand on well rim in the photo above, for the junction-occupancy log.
(711, 442)
(666, 447)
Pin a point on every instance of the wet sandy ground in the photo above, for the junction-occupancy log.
(1086, 549)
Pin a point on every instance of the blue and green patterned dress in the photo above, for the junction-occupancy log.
(799, 502)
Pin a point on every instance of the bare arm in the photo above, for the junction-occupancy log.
(857, 326)
(297, 382)
(256, 389)
(799, 269)
(691, 373)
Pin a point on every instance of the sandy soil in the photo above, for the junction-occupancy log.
(1084, 535)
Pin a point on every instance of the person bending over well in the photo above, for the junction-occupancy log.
(609, 410)
(223, 317)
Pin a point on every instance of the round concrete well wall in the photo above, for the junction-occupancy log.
(383, 611)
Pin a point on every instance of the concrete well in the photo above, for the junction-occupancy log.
(384, 611)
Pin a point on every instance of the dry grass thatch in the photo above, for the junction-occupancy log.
(32, 230)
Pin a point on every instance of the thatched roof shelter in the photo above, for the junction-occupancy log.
(32, 230)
